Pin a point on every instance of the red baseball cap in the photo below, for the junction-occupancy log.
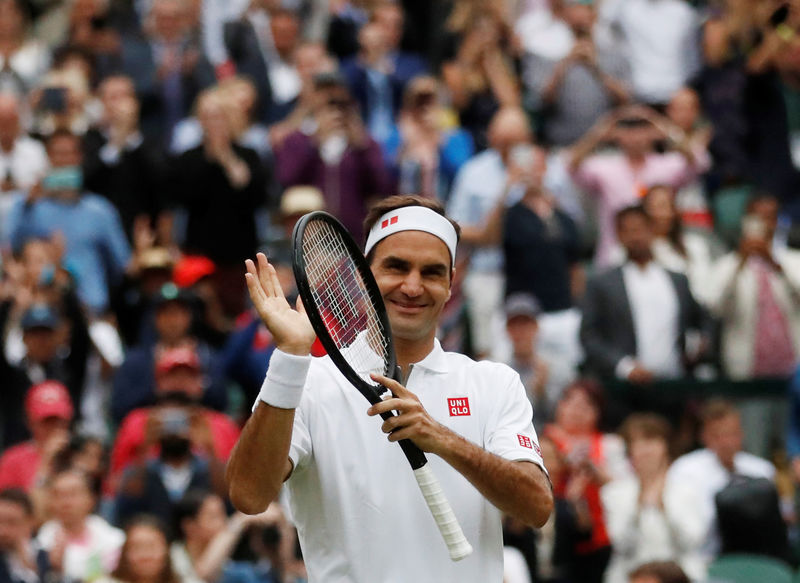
(174, 357)
(48, 399)
(192, 268)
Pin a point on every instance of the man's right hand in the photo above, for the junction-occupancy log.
(290, 327)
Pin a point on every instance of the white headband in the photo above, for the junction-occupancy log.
(414, 218)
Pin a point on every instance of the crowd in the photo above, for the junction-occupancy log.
(624, 175)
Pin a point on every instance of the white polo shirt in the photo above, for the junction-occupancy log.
(359, 512)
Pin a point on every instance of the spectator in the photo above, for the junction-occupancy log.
(220, 185)
(118, 162)
(379, 74)
(23, 59)
(477, 68)
(658, 572)
(47, 353)
(23, 160)
(62, 100)
(742, 95)
(21, 560)
(339, 157)
(541, 244)
(674, 247)
(144, 555)
(167, 67)
(206, 539)
(619, 178)
(240, 96)
(310, 60)
(345, 20)
(179, 383)
(636, 316)
(424, 155)
(97, 251)
(478, 195)
(569, 525)
(592, 460)
(685, 111)
(710, 469)
(661, 42)
(154, 486)
(522, 312)
(49, 412)
(80, 544)
(755, 292)
(571, 92)
(646, 520)
(135, 382)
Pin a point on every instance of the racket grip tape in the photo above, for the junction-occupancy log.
(443, 514)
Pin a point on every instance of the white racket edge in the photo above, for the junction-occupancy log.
(457, 543)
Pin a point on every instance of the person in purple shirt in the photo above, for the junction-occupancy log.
(335, 153)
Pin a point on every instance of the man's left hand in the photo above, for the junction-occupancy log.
(412, 421)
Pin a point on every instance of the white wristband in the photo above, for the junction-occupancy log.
(286, 376)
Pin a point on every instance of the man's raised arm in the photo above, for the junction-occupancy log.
(259, 463)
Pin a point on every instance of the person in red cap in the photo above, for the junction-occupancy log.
(179, 389)
(49, 412)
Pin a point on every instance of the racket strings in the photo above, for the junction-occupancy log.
(343, 300)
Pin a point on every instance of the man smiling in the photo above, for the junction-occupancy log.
(352, 495)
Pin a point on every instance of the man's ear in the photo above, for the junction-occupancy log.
(450, 287)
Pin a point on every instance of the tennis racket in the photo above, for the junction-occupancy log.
(346, 309)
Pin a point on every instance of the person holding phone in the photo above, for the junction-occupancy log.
(755, 291)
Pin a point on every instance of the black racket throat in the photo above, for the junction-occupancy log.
(344, 305)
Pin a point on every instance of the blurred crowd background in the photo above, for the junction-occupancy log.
(625, 173)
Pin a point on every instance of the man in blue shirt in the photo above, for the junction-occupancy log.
(96, 250)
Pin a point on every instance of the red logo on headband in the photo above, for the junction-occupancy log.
(390, 221)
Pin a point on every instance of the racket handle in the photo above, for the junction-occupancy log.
(443, 514)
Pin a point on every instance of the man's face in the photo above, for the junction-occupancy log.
(522, 331)
(41, 344)
(635, 140)
(64, 151)
(172, 321)
(766, 210)
(15, 525)
(579, 17)
(412, 269)
(169, 19)
(285, 29)
(635, 235)
(390, 19)
(43, 430)
(724, 437)
(117, 91)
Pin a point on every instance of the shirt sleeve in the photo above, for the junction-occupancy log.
(300, 450)
(509, 431)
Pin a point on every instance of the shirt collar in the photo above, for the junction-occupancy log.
(436, 360)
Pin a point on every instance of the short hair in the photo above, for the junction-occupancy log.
(393, 203)
(758, 197)
(647, 425)
(189, 507)
(61, 133)
(17, 497)
(593, 391)
(716, 409)
(632, 210)
(663, 571)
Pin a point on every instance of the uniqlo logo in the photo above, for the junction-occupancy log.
(525, 441)
(458, 407)
(389, 221)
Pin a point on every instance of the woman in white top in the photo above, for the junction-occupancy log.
(673, 247)
(646, 519)
(25, 58)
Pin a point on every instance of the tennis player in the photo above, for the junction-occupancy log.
(359, 512)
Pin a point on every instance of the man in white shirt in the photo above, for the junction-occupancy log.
(359, 513)
(635, 316)
(710, 469)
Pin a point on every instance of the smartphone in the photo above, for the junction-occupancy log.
(174, 422)
(54, 99)
(522, 156)
(753, 228)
